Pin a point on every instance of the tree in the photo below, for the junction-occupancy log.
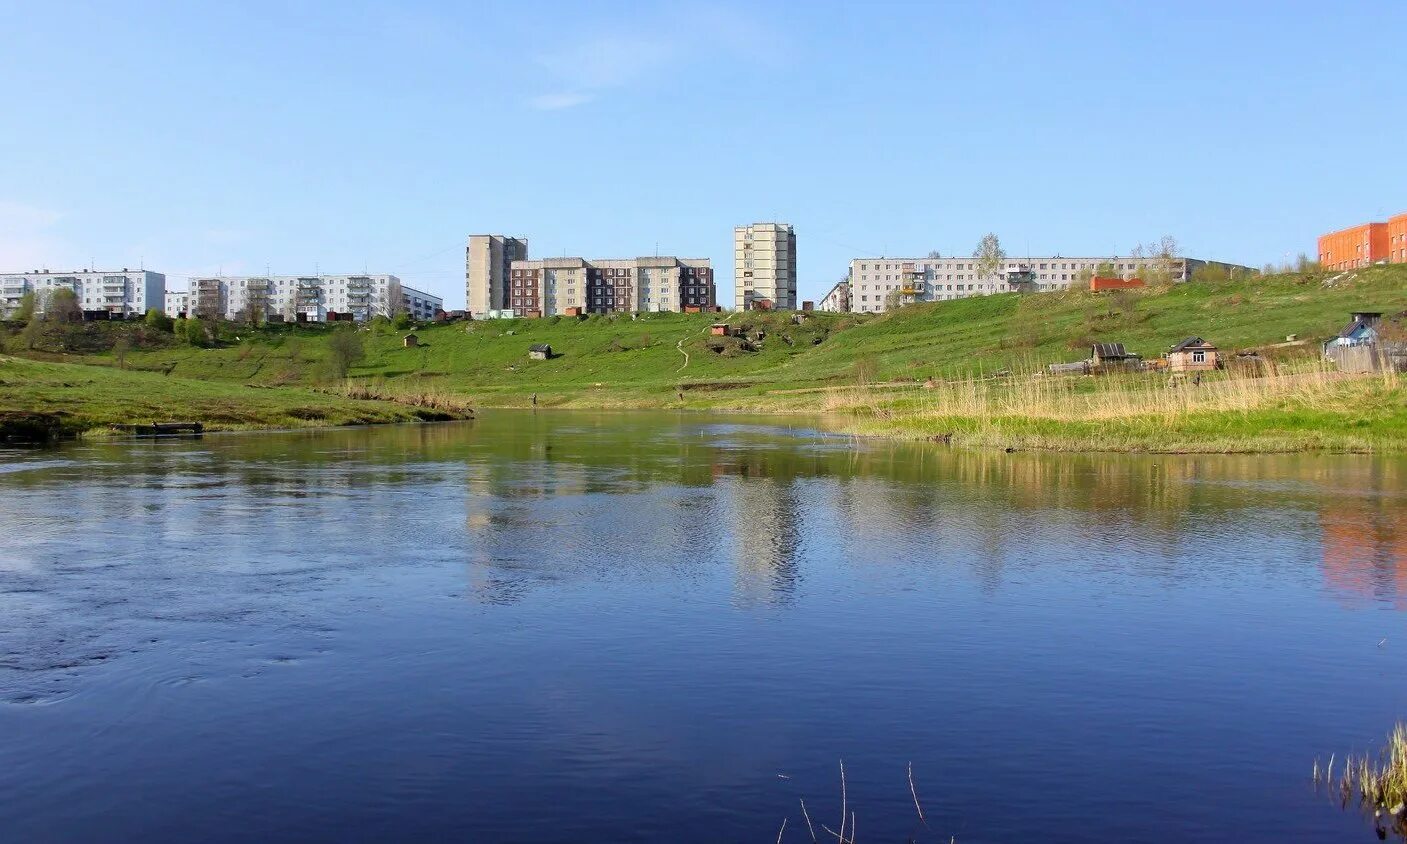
(1082, 279)
(28, 303)
(394, 305)
(63, 307)
(934, 253)
(1106, 269)
(892, 300)
(344, 349)
(194, 331)
(158, 321)
(32, 333)
(989, 255)
(120, 348)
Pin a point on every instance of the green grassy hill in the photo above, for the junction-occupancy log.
(647, 361)
(604, 361)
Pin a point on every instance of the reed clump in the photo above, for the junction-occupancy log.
(1377, 783)
(1302, 405)
(414, 392)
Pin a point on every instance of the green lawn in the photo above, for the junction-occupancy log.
(85, 398)
(649, 361)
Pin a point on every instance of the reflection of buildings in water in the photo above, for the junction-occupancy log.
(1365, 551)
(766, 537)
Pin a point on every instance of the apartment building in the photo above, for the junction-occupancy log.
(837, 300)
(313, 296)
(122, 292)
(1369, 243)
(879, 282)
(764, 266)
(177, 301)
(487, 261)
(664, 283)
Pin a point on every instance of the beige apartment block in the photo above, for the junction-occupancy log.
(764, 266)
(488, 259)
(875, 283)
(550, 286)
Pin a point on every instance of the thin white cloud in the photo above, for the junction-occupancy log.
(585, 65)
(553, 102)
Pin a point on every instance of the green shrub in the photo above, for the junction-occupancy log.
(158, 320)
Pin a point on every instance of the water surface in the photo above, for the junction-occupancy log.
(658, 627)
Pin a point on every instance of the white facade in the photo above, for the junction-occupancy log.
(120, 292)
(177, 301)
(363, 296)
(487, 261)
(764, 265)
(837, 300)
(877, 281)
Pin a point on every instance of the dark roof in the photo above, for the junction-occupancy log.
(1110, 350)
(1189, 342)
(1361, 319)
(539, 347)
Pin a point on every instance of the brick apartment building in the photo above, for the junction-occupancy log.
(575, 285)
(1362, 245)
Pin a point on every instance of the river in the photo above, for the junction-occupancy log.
(579, 626)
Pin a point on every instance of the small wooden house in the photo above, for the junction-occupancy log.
(1107, 356)
(410, 341)
(720, 329)
(539, 351)
(1193, 355)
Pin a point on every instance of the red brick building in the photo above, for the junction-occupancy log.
(1365, 244)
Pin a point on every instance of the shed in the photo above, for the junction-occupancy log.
(1111, 355)
(539, 351)
(410, 341)
(1193, 355)
(720, 329)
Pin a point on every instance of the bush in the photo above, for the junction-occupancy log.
(403, 322)
(344, 348)
(158, 320)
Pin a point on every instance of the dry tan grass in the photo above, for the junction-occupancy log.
(412, 391)
(1036, 395)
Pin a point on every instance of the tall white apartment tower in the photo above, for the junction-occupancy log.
(764, 266)
(487, 261)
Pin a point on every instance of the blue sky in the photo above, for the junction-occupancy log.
(200, 137)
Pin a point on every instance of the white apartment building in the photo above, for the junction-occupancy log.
(837, 300)
(554, 285)
(119, 292)
(176, 302)
(764, 266)
(875, 282)
(314, 296)
(487, 261)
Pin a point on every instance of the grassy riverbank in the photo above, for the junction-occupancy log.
(73, 399)
(868, 371)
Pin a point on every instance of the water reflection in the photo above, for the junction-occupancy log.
(571, 616)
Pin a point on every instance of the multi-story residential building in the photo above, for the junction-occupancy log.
(553, 285)
(1365, 244)
(764, 266)
(177, 301)
(878, 282)
(487, 261)
(119, 292)
(313, 296)
(838, 299)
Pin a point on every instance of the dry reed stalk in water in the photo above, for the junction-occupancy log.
(809, 827)
(914, 792)
(782, 830)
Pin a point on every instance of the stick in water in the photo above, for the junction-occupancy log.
(914, 792)
(780, 831)
(809, 827)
